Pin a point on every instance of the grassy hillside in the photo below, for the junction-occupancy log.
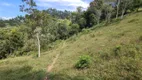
(115, 50)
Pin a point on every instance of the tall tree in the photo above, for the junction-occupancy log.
(117, 8)
(108, 12)
(96, 7)
(124, 6)
(137, 4)
(29, 6)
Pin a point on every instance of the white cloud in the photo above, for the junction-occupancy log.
(6, 18)
(6, 4)
(62, 4)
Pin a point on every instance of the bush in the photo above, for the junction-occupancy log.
(84, 62)
(11, 40)
(74, 29)
(62, 30)
(85, 31)
(117, 50)
(2, 23)
(82, 23)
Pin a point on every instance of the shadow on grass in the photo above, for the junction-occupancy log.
(66, 77)
(21, 73)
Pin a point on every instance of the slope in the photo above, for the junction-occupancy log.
(115, 49)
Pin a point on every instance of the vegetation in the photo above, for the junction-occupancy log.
(112, 48)
(115, 52)
(84, 62)
(47, 26)
(17, 21)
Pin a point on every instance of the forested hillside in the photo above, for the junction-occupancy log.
(103, 42)
(115, 52)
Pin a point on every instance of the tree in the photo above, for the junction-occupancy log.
(108, 12)
(93, 19)
(34, 15)
(96, 7)
(37, 32)
(78, 17)
(136, 4)
(82, 22)
(2, 23)
(74, 29)
(79, 10)
(11, 40)
(28, 6)
(117, 8)
(58, 14)
(124, 6)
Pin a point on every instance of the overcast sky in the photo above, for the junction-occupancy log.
(10, 8)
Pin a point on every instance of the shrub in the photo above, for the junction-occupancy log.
(117, 50)
(84, 62)
(85, 31)
(62, 30)
(74, 29)
(82, 23)
(11, 40)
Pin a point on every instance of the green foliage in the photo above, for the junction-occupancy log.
(55, 25)
(74, 29)
(29, 46)
(58, 14)
(84, 62)
(85, 31)
(108, 12)
(93, 19)
(82, 22)
(106, 65)
(12, 22)
(117, 50)
(62, 30)
(136, 5)
(2, 23)
(11, 40)
(28, 6)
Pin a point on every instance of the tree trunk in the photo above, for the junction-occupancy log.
(123, 11)
(106, 16)
(109, 17)
(98, 22)
(38, 41)
(117, 13)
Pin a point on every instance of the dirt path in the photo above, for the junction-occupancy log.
(50, 67)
